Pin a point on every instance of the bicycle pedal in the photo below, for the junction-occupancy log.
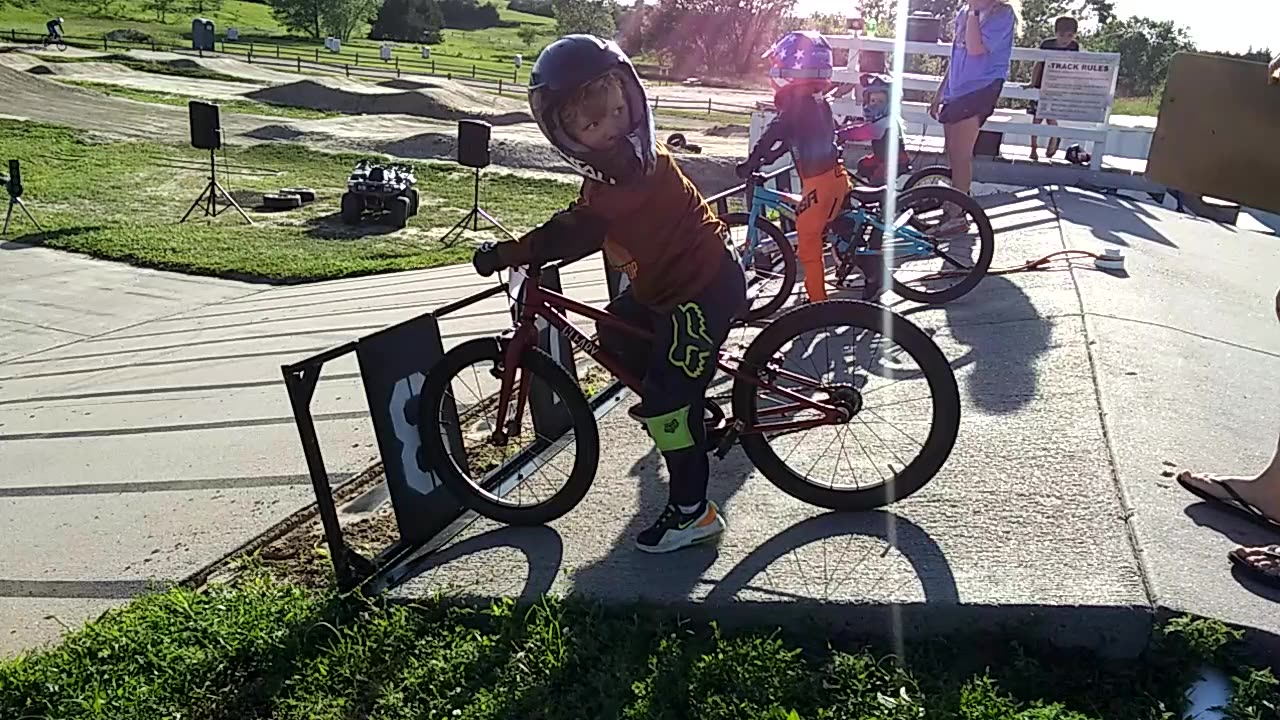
(729, 439)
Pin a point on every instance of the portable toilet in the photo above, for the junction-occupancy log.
(233, 34)
(385, 52)
(519, 60)
(201, 34)
(335, 45)
(426, 53)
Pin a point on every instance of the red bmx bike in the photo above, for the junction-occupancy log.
(841, 404)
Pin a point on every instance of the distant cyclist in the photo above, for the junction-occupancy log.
(54, 27)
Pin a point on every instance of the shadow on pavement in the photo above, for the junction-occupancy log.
(541, 546)
(1263, 591)
(1121, 217)
(625, 572)
(1229, 524)
(920, 550)
(1004, 345)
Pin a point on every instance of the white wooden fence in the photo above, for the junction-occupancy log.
(1066, 90)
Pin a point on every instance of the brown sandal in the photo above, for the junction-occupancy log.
(1263, 574)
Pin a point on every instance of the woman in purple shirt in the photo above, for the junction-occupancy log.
(979, 66)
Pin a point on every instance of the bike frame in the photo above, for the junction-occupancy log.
(550, 306)
(907, 241)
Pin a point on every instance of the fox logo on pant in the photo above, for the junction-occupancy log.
(690, 344)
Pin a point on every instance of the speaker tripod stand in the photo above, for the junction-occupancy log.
(16, 201)
(473, 217)
(209, 196)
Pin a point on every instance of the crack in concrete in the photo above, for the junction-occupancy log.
(1126, 504)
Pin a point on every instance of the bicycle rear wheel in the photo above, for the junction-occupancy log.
(817, 352)
(770, 267)
(927, 176)
(533, 475)
(961, 241)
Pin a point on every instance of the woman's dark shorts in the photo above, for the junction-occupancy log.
(979, 103)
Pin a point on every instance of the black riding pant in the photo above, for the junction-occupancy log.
(676, 369)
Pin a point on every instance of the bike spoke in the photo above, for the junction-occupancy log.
(494, 437)
(890, 388)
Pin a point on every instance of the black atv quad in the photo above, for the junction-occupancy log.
(374, 187)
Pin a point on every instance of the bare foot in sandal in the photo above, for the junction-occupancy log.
(1261, 493)
(1259, 563)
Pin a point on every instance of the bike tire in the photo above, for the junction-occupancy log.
(924, 173)
(558, 380)
(944, 194)
(790, 266)
(944, 426)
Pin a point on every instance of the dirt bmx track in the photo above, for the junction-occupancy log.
(521, 146)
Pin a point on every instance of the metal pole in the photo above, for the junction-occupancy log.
(301, 387)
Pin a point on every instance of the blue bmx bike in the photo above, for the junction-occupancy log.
(937, 248)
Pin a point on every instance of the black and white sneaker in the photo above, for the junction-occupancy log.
(675, 530)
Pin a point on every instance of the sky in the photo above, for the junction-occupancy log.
(1218, 25)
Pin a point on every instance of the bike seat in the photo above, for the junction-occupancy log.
(870, 195)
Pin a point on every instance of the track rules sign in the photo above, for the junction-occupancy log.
(1077, 90)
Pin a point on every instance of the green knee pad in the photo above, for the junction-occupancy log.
(671, 431)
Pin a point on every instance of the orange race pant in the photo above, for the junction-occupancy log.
(822, 197)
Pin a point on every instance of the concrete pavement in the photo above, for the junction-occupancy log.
(144, 427)
(1000, 535)
(1077, 386)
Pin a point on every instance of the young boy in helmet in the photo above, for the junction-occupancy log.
(875, 129)
(804, 126)
(655, 227)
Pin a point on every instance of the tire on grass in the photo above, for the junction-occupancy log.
(352, 208)
(281, 201)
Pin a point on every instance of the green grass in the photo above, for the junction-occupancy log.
(240, 106)
(81, 20)
(489, 51)
(122, 204)
(261, 649)
(1136, 106)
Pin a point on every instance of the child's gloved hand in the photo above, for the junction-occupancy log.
(743, 170)
(486, 260)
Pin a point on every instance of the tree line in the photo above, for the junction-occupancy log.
(726, 37)
(417, 21)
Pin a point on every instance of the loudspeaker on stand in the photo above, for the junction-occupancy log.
(473, 143)
(206, 125)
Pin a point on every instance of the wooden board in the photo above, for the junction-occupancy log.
(1219, 131)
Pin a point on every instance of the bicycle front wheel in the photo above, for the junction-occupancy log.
(770, 265)
(897, 396)
(958, 244)
(516, 469)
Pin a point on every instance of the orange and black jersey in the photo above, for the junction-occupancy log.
(659, 231)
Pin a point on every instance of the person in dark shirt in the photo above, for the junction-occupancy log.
(656, 228)
(54, 27)
(801, 75)
(1064, 39)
